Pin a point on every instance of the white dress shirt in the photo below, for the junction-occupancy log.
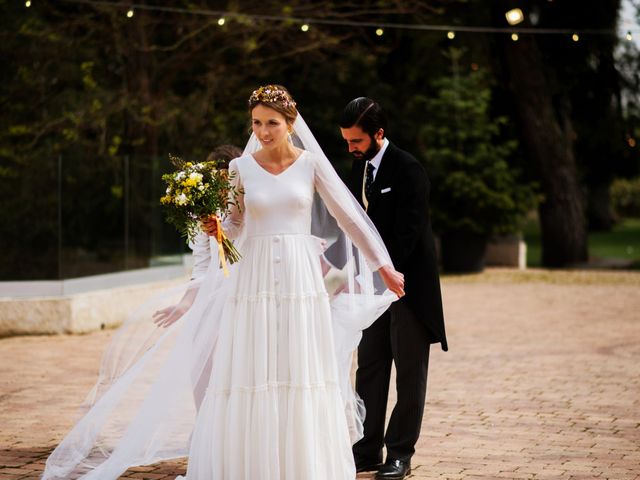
(375, 161)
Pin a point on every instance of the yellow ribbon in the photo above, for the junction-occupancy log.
(220, 237)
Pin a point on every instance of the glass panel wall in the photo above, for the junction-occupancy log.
(71, 217)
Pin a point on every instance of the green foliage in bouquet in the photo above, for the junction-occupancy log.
(196, 191)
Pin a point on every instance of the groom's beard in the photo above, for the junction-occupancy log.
(369, 153)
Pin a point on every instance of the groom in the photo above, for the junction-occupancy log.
(394, 189)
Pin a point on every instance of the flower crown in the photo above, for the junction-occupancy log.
(272, 94)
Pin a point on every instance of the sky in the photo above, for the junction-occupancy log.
(628, 21)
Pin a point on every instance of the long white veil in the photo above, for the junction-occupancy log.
(152, 380)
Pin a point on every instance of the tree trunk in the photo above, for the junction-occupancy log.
(603, 150)
(548, 137)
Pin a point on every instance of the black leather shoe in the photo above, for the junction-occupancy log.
(367, 466)
(393, 470)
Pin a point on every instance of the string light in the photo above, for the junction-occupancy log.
(631, 141)
(514, 37)
(221, 21)
(305, 27)
(575, 37)
(629, 36)
(130, 13)
(349, 23)
(27, 3)
(514, 16)
(379, 32)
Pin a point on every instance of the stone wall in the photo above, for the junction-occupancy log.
(508, 251)
(76, 313)
(81, 305)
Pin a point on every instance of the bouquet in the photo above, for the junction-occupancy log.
(197, 191)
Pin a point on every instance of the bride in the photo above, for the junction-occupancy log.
(250, 377)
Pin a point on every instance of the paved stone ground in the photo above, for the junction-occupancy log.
(542, 382)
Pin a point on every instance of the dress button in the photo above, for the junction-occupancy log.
(276, 260)
(276, 281)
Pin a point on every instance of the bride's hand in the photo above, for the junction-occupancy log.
(393, 279)
(210, 225)
(168, 316)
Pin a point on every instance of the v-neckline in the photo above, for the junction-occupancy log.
(276, 175)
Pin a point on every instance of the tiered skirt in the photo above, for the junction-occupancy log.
(273, 408)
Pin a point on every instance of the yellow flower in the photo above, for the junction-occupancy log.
(190, 182)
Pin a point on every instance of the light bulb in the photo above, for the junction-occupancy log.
(514, 16)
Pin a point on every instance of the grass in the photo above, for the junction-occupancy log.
(620, 245)
(622, 242)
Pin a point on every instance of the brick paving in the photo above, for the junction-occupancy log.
(542, 382)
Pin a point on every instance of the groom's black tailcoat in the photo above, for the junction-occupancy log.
(399, 208)
(401, 215)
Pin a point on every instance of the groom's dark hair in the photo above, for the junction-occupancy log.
(365, 113)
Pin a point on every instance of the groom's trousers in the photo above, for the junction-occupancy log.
(398, 337)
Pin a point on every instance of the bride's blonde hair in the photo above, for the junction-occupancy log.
(276, 97)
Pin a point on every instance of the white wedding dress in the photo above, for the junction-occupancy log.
(278, 390)
(265, 353)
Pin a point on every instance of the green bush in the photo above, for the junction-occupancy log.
(625, 196)
(475, 189)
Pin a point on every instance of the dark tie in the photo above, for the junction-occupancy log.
(368, 181)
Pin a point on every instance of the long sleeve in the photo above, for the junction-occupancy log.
(349, 215)
(234, 221)
(201, 253)
(410, 221)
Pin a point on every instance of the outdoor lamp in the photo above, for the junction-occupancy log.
(514, 16)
